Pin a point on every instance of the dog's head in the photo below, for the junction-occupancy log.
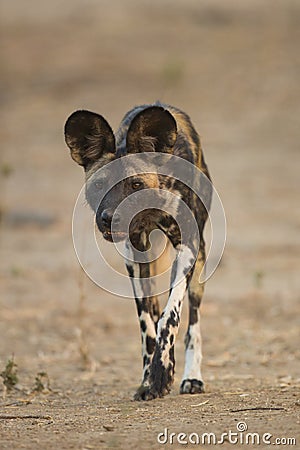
(93, 146)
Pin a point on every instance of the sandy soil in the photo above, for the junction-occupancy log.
(234, 67)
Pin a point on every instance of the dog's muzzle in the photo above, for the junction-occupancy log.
(105, 220)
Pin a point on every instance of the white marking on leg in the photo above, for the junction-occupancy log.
(144, 316)
(175, 301)
(193, 354)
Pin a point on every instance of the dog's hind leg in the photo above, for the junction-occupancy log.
(192, 382)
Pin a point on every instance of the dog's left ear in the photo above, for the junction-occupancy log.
(153, 129)
(88, 136)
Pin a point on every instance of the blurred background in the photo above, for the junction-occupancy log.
(234, 68)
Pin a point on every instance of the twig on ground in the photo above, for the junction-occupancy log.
(27, 416)
(202, 403)
(258, 408)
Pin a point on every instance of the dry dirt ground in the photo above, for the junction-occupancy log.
(235, 68)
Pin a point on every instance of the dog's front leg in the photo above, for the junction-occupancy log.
(163, 361)
(147, 309)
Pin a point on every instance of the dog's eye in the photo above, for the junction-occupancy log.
(136, 184)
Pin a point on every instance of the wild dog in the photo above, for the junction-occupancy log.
(162, 129)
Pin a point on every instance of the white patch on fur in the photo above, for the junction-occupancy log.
(184, 256)
(175, 300)
(144, 238)
(193, 354)
(172, 203)
(150, 331)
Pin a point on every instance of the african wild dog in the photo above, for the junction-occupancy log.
(148, 128)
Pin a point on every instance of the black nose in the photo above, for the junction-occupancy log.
(107, 216)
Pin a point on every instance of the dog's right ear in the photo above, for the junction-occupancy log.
(89, 136)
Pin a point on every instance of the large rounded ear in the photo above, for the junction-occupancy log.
(89, 136)
(153, 129)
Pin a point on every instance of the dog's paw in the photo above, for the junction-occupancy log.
(146, 393)
(142, 393)
(191, 386)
